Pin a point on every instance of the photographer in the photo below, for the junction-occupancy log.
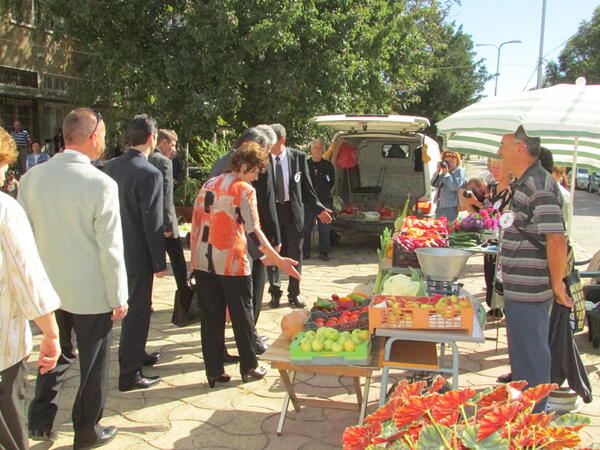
(472, 197)
(448, 179)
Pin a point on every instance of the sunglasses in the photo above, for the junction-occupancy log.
(98, 119)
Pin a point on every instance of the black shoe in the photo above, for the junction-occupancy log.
(264, 339)
(43, 435)
(230, 359)
(507, 378)
(260, 347)
(495, 313)
(152, 359)
(324, 256)
(105, 435)
(223, 378)
(254, 374)
(274, 303)
(142, 382)
(306, 255)
(296, 301)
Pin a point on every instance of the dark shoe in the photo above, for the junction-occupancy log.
(264, 339)
(507, 378)
(324, 256)
(152, 359)
(274, 303)
(105, 435)
(260, 347)
(43, 435)
(230, 359)
(142, 382)
(223, 378)
(306, 255)
(296, 301)
(495, 313)
(254, 374)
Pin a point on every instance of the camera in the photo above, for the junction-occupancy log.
(467, 194)
(444, 165)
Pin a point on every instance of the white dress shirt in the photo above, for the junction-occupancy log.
(25, 291)
(285, 167)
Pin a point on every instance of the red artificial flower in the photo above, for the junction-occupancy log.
(359, 437)
(437, 384)
(406, 391)
(496, 419)
(497, 395)
(559, 438)
(518, 385)
(449, 402)
(385, 412)
(413, 409)
(537, 393)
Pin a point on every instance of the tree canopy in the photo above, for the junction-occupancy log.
(203, 67)
(580, 57)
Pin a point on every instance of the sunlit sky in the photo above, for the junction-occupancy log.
(497, 21)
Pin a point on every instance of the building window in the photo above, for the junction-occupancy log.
(18, 77)
(54, 83)
(23, 12)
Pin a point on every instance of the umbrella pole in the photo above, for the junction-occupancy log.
(573, 181)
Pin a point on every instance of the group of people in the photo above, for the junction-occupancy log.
(82, 255)
(525, 189)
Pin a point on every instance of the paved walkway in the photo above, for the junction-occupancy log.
(182, 412)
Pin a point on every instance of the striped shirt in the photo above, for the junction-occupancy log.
(536, 206)
(21, 138)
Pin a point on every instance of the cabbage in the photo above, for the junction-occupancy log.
(401, 285)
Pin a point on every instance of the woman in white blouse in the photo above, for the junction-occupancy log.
(25, 294)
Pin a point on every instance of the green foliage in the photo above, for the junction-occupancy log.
(186, 191)
(206, 152)
(580, 57)
(201, 67)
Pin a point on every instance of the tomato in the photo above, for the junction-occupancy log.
(364, 308)
(343, 320)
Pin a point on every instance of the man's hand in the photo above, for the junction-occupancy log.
(266, 261)
(325, 216)
(160, 274)
(49, 353)
(119, 312)
(168, 234)
(287, 265)
(277, 248)
(561, 296)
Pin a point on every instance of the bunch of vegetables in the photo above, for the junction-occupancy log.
(464, 239)
(338, 303)
(404, 285)
(422, 233)
(486, 219)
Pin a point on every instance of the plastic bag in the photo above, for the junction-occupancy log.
(346, 157)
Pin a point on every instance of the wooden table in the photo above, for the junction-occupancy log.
(278, 355)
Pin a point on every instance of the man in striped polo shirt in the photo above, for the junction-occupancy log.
(23, 141)
(533, 279)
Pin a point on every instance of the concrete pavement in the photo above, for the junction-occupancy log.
(182, 412)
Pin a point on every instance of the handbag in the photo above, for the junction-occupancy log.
(186, 307)
(572, 282)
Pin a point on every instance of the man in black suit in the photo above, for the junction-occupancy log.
(161, 159)
(265, 195)
(293, 189)
(141, 203)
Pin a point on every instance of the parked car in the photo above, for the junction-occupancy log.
(594, 184)
(388, 167)
(582, 180)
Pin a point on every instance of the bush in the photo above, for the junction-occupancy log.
(185, 192)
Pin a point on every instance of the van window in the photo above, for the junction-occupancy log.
(395, 151)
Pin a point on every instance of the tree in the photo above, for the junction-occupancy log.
(580, 57)
(457, 81)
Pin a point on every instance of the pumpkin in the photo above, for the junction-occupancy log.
(293, 323)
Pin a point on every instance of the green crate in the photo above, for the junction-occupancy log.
(359, 357)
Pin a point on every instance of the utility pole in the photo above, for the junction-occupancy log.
(541, 54)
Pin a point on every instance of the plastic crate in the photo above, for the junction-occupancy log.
(418, 318)
(401, 258)
(359, 357)
(362, 322)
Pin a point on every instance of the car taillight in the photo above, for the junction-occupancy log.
(424, 207)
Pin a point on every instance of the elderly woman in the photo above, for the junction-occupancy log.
(25, 294)
(225, 216)
(448, 179)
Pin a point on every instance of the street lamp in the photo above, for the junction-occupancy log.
(498, 48)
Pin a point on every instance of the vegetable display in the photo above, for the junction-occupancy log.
(422, 233)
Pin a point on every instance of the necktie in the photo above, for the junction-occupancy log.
(279, 187)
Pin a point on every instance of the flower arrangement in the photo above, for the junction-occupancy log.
(499, 418)
(485, 219)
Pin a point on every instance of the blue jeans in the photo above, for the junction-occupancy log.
(527, 331)
(324, 232)
(450, 213)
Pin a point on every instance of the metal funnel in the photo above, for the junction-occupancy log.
(442, 263)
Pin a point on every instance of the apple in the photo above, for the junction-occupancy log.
(328, 344)
(337, 347)
(305, 346)
(349, 346)
(364, 335)
(317, 345)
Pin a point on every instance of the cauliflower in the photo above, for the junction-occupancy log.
(401, 285)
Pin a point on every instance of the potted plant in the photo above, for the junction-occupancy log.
(458, 419)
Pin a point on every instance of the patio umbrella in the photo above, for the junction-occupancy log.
(563, 116)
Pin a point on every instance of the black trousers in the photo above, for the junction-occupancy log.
(135, 326)
(12, 407)
(175, 252)
(43, 407)
(291, 246)
(216, 292)
(93, 333)
(489, 271)
(259, 278)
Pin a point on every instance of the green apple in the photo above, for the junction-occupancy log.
(349, 346)
(317, 345)
(364, 335)
(337, 347)
(356, 339)
(322, 332)
(310, 334)
(333, 334)
(327, 345)
(305, 346)
(356, 332)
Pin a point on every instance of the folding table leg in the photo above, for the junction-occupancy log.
(455, 363)
(286, 398)
(385, 373)
(357, 390)
(365, 400)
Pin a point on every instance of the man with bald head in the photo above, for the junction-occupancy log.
(77, 228)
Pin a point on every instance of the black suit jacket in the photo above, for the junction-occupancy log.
(300, 186)
(164, 164)
(141, 202)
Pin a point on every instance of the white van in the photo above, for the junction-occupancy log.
(390, 153)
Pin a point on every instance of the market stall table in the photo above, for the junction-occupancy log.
(443, 337)
(279, 357)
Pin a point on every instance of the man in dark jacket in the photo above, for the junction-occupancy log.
(322, 176)
(141, 203)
